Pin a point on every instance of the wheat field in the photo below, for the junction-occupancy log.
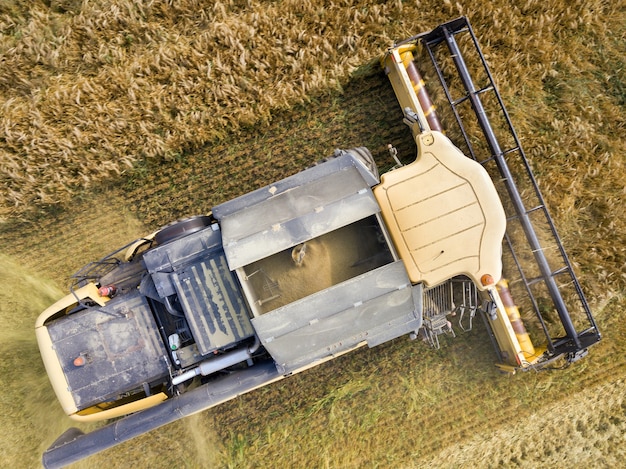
(118, 116)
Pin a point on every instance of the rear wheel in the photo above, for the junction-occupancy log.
(366, 157)
(181, 228)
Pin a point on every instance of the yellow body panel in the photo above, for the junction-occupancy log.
(396, 72)
(94, 414)
(515, 346)
(133, 248)
(443, 214)
(88, 291)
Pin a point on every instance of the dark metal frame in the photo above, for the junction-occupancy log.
(574, 343)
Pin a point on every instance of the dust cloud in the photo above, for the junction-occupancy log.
(31, 416)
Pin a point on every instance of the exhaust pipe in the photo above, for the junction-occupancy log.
(213, 365)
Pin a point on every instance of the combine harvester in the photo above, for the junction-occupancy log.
(323, 262)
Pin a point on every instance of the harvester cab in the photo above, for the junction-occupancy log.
(446, 66)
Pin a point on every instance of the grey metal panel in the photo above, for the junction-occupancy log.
(307, 197)
(212, 303)
(318, 172)
(121, 346)
(340, 317)
(282, 236)
(400, 325)
(168, 257)
(340, 332)
(301, 213)
(163, 284)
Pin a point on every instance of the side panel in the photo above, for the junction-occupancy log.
(342, 160)
(363, 309)
(303, 212)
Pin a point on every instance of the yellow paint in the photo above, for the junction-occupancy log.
(94, 414)
(518, 326)
(443, 214)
